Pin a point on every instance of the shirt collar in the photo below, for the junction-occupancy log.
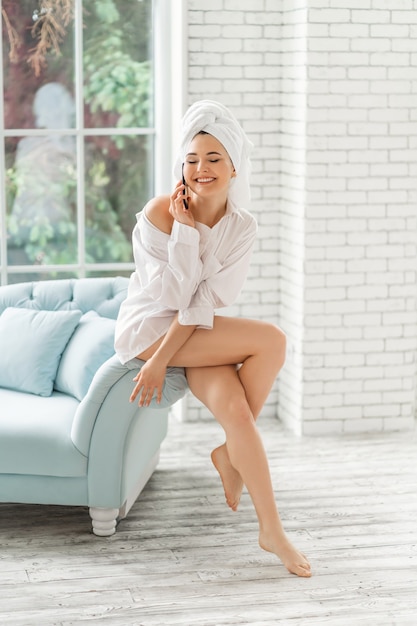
(232, 209)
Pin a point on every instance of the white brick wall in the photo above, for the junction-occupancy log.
(327, 91)
(352, 364)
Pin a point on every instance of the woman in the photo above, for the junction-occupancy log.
(192, 252)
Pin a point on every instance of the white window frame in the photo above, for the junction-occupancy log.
(170, 80)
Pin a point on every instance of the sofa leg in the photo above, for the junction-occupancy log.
(104, 521)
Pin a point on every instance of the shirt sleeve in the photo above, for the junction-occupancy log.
(222, 283)
(169, 266)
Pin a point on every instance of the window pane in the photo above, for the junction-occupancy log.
(74, 183)
(119, 182)
(41, 200)
(27, 70)
(118, 64)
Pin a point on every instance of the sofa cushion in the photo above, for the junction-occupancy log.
(35, 435)
(31, 346)
(89, 347)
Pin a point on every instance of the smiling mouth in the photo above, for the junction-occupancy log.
(204, 180)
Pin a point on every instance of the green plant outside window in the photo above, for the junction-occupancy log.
(78, 165)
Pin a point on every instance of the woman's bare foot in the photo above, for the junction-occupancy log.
(295, 562)
(232, 482)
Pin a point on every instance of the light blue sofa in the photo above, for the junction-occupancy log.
(68, 433)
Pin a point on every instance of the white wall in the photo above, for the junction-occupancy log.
(354, 365)
(327, 91)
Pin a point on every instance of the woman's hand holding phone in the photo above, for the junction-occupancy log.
(180, 204)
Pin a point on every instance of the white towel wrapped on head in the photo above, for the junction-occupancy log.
(216, 119)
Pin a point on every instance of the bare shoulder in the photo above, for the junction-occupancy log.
(157, 212)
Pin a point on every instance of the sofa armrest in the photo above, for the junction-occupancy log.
(111, 374)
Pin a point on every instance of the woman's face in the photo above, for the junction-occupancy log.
(207, 168)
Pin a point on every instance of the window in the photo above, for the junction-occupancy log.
(79, 124)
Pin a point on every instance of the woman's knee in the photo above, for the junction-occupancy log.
(275, 343)
(238, 413)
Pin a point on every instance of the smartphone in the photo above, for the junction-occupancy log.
(185, 190)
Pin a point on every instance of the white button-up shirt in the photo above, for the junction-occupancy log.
(192, 271)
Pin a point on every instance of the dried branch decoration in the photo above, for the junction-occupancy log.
(14, 39)
(50, 22)
(49, 29)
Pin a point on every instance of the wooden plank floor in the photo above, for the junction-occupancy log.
(182, 558)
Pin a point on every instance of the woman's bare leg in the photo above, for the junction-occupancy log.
(221, 390)
(256, 397)
(260, 348)
(234, 397)
(231, 479)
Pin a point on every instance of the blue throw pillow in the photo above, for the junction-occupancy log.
(31, 344)
(89, 347)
